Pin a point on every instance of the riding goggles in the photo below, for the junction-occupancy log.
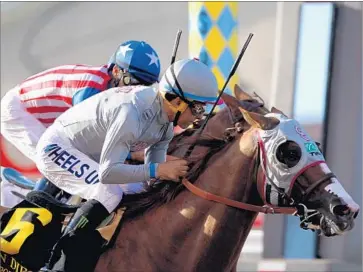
(197, 108)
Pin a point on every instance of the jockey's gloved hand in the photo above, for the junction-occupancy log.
(172, 170)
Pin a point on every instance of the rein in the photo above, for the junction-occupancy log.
(233, 203)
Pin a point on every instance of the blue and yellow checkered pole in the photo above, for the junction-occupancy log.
(213, 38)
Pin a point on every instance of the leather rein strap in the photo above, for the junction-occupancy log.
(245, 206)
(236, 204)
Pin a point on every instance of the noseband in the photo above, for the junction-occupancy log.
(312, 187)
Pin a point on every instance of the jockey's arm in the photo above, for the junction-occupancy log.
(123, 131)
(140, 156)
(156, 153)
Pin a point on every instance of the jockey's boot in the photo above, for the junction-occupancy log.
(81, 244)
(46, 186)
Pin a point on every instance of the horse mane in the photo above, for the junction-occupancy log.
(165, 191)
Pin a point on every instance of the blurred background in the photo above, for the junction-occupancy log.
(305, 59)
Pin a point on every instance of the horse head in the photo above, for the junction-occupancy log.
(292, 170)
(248, 160)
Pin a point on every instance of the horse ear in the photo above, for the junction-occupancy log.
(258, 120)
(275, 110)
(241, 94)
(233, 104)
(230, 101)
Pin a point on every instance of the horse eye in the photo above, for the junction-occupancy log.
(289, 153)
(319, 147)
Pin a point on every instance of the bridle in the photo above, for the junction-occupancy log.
(295, 208)
(307, 215)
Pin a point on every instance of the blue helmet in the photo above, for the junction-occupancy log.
(139, 59)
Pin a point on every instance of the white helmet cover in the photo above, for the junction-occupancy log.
(192, 80)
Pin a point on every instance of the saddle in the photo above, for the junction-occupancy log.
(44, 200)
(35, 225)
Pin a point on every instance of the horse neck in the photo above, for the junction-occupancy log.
(216, 231)
(230, 175)
(191, 233)
(216, 126)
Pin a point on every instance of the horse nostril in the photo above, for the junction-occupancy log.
(344, 226)
(355, 214)
(341, 210)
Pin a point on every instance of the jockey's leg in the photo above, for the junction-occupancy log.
(41, 184)
(72, 171)
(81, 244)
(18, 126)
(46, 186)
(22, 130)
(76, 173)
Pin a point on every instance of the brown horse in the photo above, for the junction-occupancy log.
(243, 155)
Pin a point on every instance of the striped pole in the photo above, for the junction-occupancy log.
(213, 38)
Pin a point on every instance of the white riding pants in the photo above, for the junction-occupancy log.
(76, 173)
(18, 126)
(22, 130)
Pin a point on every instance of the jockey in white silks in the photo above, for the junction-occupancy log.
(84, 151)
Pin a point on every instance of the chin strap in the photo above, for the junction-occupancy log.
(124, 76)
(177, 110)
(176, 119)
